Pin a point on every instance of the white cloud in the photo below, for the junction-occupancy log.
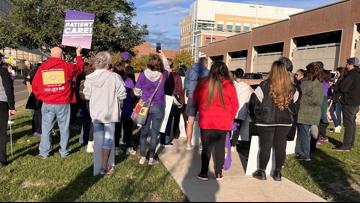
(158, 3)
(174, 10)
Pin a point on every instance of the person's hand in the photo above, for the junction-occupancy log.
(161, 54)
(12, 112)
(78, 51)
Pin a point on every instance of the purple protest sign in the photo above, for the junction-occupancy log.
(78, 29)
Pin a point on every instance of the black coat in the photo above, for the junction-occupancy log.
(350, 88)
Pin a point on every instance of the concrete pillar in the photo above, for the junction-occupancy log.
(289, 47)
(227, 58)
(250, 60)
(355, 40)
(347, 43)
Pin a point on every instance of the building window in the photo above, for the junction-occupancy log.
(238, 28)
(220, 27)
(229, 28)
(246, 28)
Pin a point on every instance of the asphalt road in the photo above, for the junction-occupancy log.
(21, 93)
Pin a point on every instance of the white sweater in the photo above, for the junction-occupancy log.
(243, 91)
(105, 91)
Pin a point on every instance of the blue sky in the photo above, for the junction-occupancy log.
(163, 16)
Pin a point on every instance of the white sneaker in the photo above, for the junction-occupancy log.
(152, 162)
(142, 160)
(118, 151)
(10, 122)
(189, 147)
(130, 151)
(233, 149)
(90, 147)
(338, 129)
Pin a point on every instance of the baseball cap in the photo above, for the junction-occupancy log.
(353, 61)
(126, 56)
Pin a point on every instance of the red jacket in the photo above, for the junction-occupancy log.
(215, 116)
(52, 83)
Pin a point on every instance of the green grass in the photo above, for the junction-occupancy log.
(29, 178)
(335, 176)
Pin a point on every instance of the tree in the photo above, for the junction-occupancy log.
(183, 58)
(38, 24)
(140, 63)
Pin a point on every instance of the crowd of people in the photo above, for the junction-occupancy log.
(281, 106)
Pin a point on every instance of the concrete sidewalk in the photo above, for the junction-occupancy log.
(184, 166)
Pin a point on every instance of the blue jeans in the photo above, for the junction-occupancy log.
(154, 120)
(50, 114)
(303, 140)
(107, 132)
(336, 114)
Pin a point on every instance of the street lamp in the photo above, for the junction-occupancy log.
(256, 7)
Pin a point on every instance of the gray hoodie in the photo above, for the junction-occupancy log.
(105, 91)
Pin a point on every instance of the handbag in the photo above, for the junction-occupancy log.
(141, 110)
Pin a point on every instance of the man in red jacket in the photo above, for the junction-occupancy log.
(52, 85)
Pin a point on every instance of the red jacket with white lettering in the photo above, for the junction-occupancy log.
(52, 83)
(216, 116)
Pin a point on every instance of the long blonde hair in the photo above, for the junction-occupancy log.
(281, 86)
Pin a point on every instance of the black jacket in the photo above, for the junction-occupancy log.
(350, 88)
(8, 85)
(263, 110)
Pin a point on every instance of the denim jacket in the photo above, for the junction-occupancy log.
(195, 73)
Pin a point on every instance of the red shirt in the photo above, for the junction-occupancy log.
(52, 83)
(215, 116)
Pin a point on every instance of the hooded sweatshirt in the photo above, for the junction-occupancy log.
(105, 91)
(52, 83)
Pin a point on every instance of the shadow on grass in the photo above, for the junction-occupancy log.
(335, 142)
(332, 178)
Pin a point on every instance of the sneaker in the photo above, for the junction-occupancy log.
(325, 139)
(107, 171)
(142, 160)
(203, 177)
(36, 134)
(189, 147)
(259, 174)
(90, 147)
(342, 149)
(42, 157)
(118, 151)
(10, 122)
(130, 151)
(303, 158)
(169, 145)
(320, 142)
(152, 162)
(219, 176)
(276, 175)
(233, 149)
(337, 129)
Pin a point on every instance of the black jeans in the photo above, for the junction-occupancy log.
(269, 137)
(168, 129)
(177, 116)
(36, 121)
(213, 139)
(126, 124)
(236, 133)
(87, 122)
(349, 113)
(4, 117)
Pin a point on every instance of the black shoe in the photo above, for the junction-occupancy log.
(342, 149)
(219, 176)
(203, 177)
(259, 174)
(276, 175)
(303, 158)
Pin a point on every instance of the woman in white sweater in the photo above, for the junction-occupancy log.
(105, 90)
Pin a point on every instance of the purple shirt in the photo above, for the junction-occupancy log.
(148, 87)
(326, 88)
(127, 108)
